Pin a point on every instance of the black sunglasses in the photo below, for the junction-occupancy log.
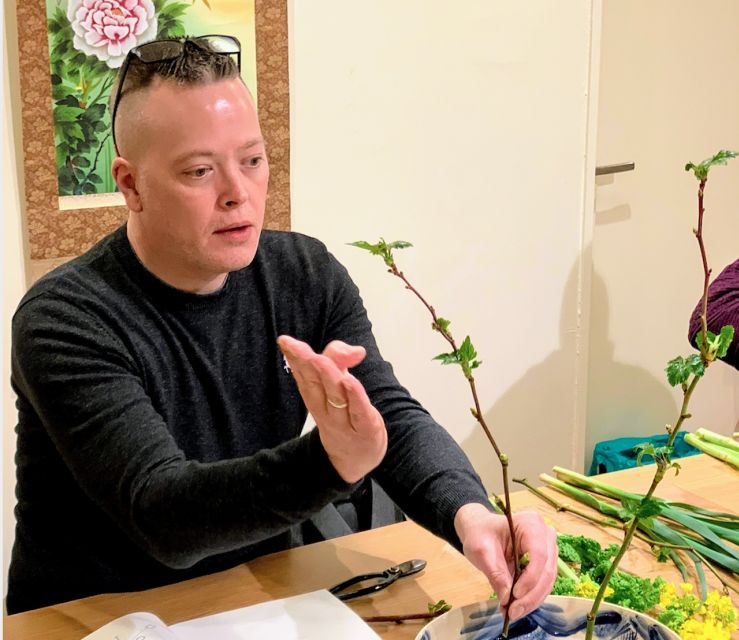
(164, 50)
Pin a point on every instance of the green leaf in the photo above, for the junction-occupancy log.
(717, 346)
(81, 162)
(96, 111)
(362, 244)
(699, 339)
(448, 358)
(644, 449)
(399, 244)
(442, 324)
(702, 168)
(439, 607)
(680, 369)
(74, 130)
(67, 113)
(725, 337)
(649, 508)
(467, 351)
(175, 10)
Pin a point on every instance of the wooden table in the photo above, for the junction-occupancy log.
(702, 481)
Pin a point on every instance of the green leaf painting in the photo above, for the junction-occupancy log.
(88, 42)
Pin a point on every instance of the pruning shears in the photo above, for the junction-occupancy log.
(382, 579)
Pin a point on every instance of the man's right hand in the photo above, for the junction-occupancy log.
(352, 431)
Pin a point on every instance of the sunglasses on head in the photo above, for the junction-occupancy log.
(165, 50)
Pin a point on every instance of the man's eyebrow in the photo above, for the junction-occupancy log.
(207, 153)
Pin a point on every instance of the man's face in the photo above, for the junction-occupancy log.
(198, 163)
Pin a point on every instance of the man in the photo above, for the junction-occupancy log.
(159, 421)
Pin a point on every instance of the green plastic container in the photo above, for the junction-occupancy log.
(617, 454)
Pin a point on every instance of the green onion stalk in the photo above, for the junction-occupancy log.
(715, 445)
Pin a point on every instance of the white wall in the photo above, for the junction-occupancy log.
(13, 278)
(463, 129)
(669, 94)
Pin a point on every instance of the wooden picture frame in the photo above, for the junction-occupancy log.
(55, 235)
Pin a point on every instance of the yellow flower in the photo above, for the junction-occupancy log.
(667, 594)
(586, 588)
(707, 630)
(686, 587)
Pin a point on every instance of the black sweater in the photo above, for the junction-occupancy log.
(159, 431)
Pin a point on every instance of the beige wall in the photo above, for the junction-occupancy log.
(13, 278)
(462, 128)
(669, 94)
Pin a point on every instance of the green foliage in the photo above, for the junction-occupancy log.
(644, 509)
(680, 609)
(465, 356)
(640, 594)
(717, 346)
(437, 608)
(441, 325)
(680, 369)
(564, 587)
(169, 17)
(702, 168)
(673, 618)
(591, 562)
(382, 249)
(657, 453)
(585, 555)
(662, 554)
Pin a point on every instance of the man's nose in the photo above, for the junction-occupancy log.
(235, 190)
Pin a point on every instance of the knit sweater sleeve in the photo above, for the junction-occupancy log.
(723, 309)
(424, 471)
(77, 382)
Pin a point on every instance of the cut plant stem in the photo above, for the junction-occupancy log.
(559, 506)
(717, 438)
(722, 453)
(503, 458)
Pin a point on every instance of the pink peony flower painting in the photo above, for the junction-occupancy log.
(109, 29)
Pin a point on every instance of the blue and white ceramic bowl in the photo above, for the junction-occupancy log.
(558, 617)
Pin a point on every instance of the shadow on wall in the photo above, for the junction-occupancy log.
(533, 420)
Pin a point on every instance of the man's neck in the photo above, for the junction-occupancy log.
(173, 277)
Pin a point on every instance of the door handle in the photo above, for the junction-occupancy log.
(607, 169)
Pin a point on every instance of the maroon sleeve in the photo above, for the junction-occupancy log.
(723, 309)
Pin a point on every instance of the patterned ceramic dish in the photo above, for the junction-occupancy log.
(559, 617)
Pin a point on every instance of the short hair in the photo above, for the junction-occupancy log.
(197, 64)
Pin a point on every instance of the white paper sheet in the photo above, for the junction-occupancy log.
(312, 616)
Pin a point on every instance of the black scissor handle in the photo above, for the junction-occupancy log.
(382, 581)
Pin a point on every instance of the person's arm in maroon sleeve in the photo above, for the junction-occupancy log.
(723, 309)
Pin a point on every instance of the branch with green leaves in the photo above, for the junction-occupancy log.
(466, 357)
(685, 372)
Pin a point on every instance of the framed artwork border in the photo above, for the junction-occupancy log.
(56, 235)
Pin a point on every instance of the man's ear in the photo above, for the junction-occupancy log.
(124, 174)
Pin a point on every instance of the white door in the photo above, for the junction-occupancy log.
(669, 94)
